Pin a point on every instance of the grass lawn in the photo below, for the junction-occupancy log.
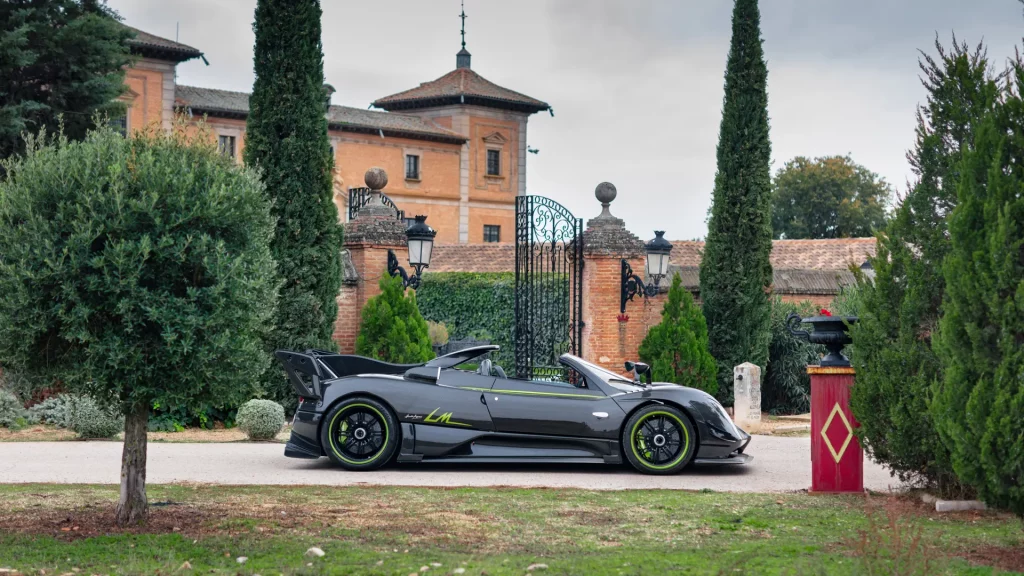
(48, 433)
(59, 529)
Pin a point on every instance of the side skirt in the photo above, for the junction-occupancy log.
(425, 443)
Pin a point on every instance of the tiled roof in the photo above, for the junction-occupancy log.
(236, 104)
(833, 254)
(147, 44)
(812, 267)
(487, 257)
(461, 86)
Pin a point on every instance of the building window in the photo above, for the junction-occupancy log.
(226, 145)
(119, 124)
(412, 167)
(492, 233)
(408, 221)
(494, 162)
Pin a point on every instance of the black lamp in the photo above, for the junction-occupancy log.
(421, 244)
(658, 251)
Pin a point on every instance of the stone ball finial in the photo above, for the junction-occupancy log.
(605, 193)
(376, 178)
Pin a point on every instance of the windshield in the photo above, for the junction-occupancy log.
(614, 380)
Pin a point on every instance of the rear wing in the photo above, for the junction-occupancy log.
(304, 372)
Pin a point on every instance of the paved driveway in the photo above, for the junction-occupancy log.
(780, 464)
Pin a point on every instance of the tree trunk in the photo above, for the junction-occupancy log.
(133, 506)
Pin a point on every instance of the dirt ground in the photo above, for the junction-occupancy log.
(47, 433)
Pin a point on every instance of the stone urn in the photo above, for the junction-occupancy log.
(830, 331)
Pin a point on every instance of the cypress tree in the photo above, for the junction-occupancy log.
(900, 309)
(677, 348)
(286, 137)
(735, 273)
(979, 402)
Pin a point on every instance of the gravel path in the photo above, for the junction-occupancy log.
(780, 465)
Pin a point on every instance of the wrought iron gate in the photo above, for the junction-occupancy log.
(549, 287)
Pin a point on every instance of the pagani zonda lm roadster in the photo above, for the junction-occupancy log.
(363, 413)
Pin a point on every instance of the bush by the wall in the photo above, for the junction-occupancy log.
(88, 419)
(392, 328)
(260, 419)
(12, 412)
(786, 387)
(481, 306)
(677, 347)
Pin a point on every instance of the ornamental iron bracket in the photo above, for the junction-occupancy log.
(395, 270)
(632, 285)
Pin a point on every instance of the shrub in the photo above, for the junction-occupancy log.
(88, 419)
(677, 347)
(12, 412)
(136, 269)
(260, 419)
(392, 328)
(786, 387)
(437, 332)
(53, 410)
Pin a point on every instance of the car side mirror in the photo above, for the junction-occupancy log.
(638, 369)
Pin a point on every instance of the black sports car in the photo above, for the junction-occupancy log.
(363, 413)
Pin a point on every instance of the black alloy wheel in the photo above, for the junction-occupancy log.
(659, 439)
(360, 434)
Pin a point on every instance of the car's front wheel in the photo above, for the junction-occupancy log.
(360, 434)
(659, 439)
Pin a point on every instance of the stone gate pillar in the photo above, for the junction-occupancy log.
(368, 237)
(609, 337)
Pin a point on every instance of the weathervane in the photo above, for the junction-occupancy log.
(463, 16)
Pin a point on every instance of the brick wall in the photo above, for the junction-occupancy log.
(371, 262)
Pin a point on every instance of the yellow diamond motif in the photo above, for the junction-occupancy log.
(849, 436)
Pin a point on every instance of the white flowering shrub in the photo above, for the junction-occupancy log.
(260, 419)
(90, 420)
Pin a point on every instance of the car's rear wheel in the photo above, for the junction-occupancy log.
(659, 439)
(360, 434)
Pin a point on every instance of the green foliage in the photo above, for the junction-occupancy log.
(899, 308)
(86, 417)
(677, 347)
(286, 137)
(136, 270)
(12, 412)
(472, 305)
(392, 328)
(828, 197)
(978, 405)
(735, 273)
(62, 61)
(53, 410)
(437, 332)
(786, 387)
(261, 419)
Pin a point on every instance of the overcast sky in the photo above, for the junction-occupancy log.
(636, 85)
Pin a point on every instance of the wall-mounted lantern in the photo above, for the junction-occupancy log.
(658, 251)
(421, 245)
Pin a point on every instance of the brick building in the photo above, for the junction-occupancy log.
(459, 140)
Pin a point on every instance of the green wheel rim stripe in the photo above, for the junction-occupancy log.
(334, 447)
(682, 453)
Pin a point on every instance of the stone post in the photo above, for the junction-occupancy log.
(746, 381)
(610, 338)
(368, 237)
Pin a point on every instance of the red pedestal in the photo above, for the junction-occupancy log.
(837, 460)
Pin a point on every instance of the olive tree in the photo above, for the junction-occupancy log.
(138, 271)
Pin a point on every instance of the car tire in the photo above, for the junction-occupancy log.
(360, 433)
(659, 439)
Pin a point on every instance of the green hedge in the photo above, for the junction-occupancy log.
(482, 306)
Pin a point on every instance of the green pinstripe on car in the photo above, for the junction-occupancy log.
(330, 436)
(634, 437)
(529, 393)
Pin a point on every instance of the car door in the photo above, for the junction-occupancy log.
(547, 408)
(452, 401)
